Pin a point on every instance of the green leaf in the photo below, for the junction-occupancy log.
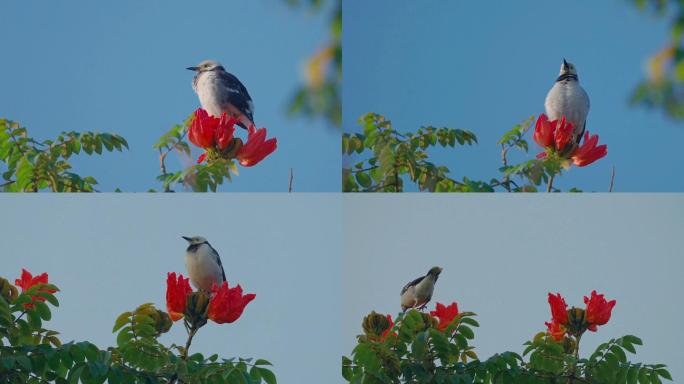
(43, 310)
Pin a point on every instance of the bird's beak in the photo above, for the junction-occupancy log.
(565, 64)
(187, 238)
(192, 68)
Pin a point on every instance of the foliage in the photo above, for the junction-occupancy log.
(321, 93)
(389, 158)
(417, 352)
(664, 87)
(31, 165)
(30, 353)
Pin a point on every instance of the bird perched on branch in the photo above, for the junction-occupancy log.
(568, 98)
(220, 91)
(418, 293)
(203, 264)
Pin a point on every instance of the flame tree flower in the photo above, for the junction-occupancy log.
(216, 137)
(27, 281)
(556, 330)
(445, 314)
(559, 309)
(589, 152)
(556, 136)
(227, 304)
(598, 310)
(256, 148)
(177, 291)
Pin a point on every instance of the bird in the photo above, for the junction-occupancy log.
(567, 98)
(203, 264)
(418, 293)
(220, 91)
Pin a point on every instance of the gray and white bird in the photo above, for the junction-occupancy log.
(568, 98)
(203, 264)
(220, 91)
(418, 293)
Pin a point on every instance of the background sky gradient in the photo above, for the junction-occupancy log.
(485, 68)
(502, 254)
(120, 68)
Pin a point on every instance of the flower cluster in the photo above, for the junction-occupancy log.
(217, 137)
(27, 281)
(575, 321)
(556, 136)
(225, 304)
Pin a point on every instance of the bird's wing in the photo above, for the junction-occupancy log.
(237, 94)
(411, 284)
(218, 261)
(587, 106)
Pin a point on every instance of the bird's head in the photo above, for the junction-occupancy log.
(567, 69)
(207, 65)
(435, 271)
(195, 240)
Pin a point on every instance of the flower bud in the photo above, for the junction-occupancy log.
(196, 309)
(375, 324)
(577, 322)
(428, 321)
(162, 321)
(233, 149)
(8, 291)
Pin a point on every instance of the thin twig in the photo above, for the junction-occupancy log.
(289, 185)
(549, 187)
(365, 169)
(612, 180)
(163, 154)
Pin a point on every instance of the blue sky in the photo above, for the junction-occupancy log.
(110, 253)
(502, 254)
(120, 67)
(485, 68)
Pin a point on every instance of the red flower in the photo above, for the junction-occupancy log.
(445, 314)
(203, 128)
(207, 131)
(559, 309)
(256, 148)
(563, 134)
(589, 152)
(177, 291)
(555, 134)
(556, 330)
(387, 331)
(226, 304)
(225, 130)
(598, 310)
(543, 131)
(27, 281)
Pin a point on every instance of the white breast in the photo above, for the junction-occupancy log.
(203, 269)
(208, 92)
(568, 98)
(408, 297)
